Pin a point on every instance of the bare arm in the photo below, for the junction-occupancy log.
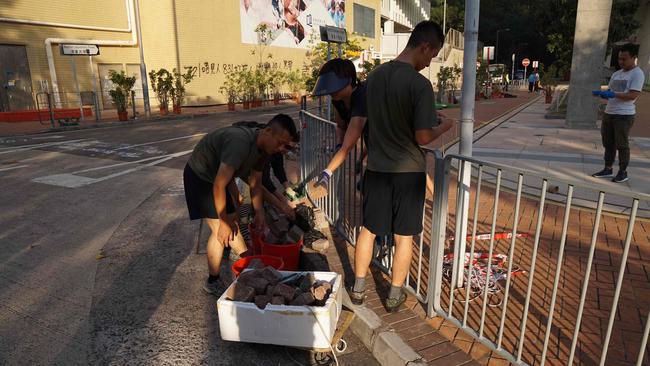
(257, 197)
(355, 130)
(630, 95)
(426, 136)
(221, 182)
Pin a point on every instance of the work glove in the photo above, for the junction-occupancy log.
(324, 180)
(604, 94)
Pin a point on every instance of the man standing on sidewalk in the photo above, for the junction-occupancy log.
(401, 108)
(624, 87)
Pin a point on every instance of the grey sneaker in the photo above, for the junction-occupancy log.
(605, 173)
(393, 305)
(620, 177)
(357, 298)
(215, 288)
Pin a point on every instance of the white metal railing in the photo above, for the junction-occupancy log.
(528, 287)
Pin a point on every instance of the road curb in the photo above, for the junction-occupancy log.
(148, 121)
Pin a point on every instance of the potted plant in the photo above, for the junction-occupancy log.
(259, 82)
(177, 91)
(275, 82)
(548, 82)
(162, 82)
(230, 89)
(443, 82)
(246, 87)
(121, 93)
(454, 78)
(296, 84)
(482, 78)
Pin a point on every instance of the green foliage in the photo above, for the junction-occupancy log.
(231, 88)
(367, 67)
(548, 78)
(123, 89)
(295, 81)
(162, 83)
(317, 56)
(482, 76)
(455, 13)
(177, 91)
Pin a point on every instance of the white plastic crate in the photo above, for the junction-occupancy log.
(285, 325)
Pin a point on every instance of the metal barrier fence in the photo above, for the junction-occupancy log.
(66, 107)
(518, 293)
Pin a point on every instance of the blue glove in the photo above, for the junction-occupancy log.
(597, 93)
(608, 94)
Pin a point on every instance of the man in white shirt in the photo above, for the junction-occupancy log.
(624, 87)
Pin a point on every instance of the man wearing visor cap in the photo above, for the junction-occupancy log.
(338, 79)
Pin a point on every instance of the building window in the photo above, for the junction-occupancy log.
(364, 21)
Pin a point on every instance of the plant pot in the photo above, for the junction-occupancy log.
(549, 98)
(164, 110)
(177, 109)
(276, 101)
(258, 103)
(247, 105)
(123, 115)
(231, 106)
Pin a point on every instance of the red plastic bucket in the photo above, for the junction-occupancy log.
(268, 260)
(290, 252)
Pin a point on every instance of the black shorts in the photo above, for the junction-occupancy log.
(199, 197)
(393, 202)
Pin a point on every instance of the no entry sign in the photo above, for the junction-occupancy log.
(525, 62)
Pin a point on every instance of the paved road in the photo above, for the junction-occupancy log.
(97, 263)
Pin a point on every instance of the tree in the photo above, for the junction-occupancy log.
(455, 13)
(317, 56)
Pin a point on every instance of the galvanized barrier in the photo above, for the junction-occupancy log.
(516, 317)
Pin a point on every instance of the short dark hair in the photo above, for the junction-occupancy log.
(630, 48)
(343, 68)
(286, 123)
(426, 31)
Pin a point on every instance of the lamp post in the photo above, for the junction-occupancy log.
(496, 49)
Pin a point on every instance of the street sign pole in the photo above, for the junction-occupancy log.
(98, 115)
(467, 123)
(512, 79)
(143, 67)
(76, 84)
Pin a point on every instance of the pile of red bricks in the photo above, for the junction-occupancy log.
(267, 286)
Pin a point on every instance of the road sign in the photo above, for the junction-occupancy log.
(535, 64)
(333, 34)
(79, 49)
(525, 62)
(488, 53)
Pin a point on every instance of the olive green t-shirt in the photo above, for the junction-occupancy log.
(235, 146)
(400, 101)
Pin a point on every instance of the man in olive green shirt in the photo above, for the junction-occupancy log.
(401, 108)
(218, 158)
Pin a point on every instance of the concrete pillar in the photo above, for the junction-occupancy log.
(644, 39)
(589, 48)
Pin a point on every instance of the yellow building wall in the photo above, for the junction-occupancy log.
(201, 34)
